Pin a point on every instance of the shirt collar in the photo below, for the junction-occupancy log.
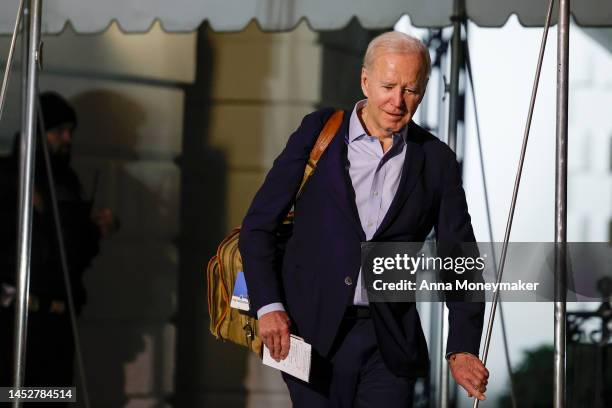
(356, 130)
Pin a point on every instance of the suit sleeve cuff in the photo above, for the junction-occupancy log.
(448, 355)
(272, 307)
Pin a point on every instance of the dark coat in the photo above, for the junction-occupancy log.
(324, 249)
(81, 235)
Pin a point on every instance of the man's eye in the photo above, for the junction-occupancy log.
(387, 86)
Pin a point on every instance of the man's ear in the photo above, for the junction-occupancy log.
(364, 81)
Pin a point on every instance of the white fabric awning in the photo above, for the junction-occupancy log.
(91, 16)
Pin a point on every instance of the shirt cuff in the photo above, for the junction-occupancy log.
(272, 307)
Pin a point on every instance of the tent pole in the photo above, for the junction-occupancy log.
(457, 52)
(436, 317)
(444, 369)
(561, 203)
(23, 164)
(470, 77)
(25, 38)
(26, 184)
(455, 68)
(515, 191)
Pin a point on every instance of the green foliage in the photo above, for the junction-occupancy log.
(533, 380)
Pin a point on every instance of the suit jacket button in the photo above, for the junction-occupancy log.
(348, 281)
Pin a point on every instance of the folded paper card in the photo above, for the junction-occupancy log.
(297, 362)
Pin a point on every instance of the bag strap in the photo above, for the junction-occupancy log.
(325, 137)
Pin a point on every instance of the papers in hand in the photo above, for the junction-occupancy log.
(240, 297)
(297, 362)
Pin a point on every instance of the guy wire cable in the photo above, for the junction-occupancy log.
(62, 251)
(517, 183)
(468, 65)
(9, 60)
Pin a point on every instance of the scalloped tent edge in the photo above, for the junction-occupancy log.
(138, 16)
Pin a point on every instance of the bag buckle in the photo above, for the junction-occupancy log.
(249, 331)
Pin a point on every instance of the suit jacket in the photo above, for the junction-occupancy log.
(322, 258)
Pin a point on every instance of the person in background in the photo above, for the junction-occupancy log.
(50, 344)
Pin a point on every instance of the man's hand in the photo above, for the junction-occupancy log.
(469, 372)
(274, 332)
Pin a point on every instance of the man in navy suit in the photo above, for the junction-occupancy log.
(382, 178)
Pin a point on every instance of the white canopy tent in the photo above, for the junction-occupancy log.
(275, 15)
(279, 15)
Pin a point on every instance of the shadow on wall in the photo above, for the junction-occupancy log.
(125, 330)
(109, 121)
(343, 52)
(207, 373)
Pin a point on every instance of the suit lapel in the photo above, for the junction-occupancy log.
(340, 185)
(413, 164)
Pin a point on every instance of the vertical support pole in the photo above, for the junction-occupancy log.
(457, 53)
(561, 203)
(26, 184)
(444, 369)
(25, 39)
(436, 314)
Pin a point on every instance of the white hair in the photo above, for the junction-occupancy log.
(397, 43)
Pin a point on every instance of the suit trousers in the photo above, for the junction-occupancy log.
(353, 375)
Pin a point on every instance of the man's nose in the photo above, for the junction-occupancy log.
(397, 99)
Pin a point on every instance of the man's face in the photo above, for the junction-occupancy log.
(394, 86)
(59, 139)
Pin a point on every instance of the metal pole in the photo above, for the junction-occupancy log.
(453, 119)
(25, 39)
(26, 184)
(9, 60)
(444, 369)
(455, 68)
(561, 202)
(517, 183)
(23, 161)
(470, 75)
(436, 314)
